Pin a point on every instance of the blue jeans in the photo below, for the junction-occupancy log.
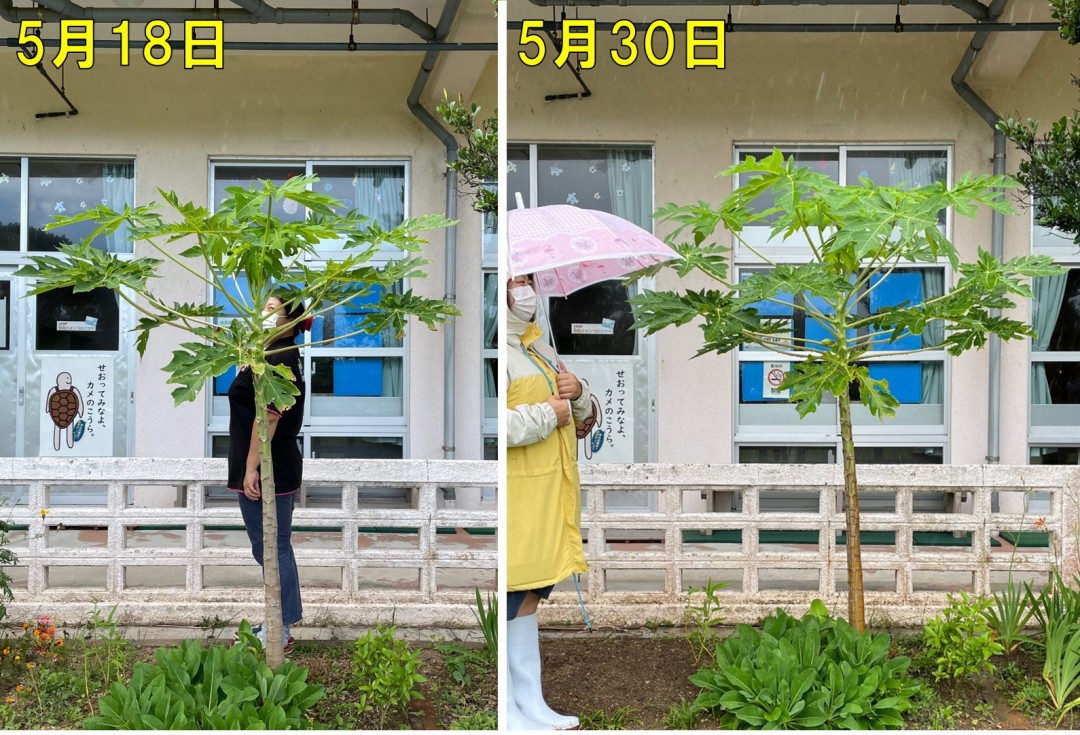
(291, 608)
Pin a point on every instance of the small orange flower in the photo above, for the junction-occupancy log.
(59, 642)
(7, 651)
(19, 688)
(26, 626)
(37, 633)
(1041, 523)
(29, 665)
(17, 657)
(9, 700)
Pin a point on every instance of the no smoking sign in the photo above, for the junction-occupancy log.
(774, 374)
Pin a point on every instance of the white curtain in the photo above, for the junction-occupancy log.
(915, 170)
(118, 189)
(933, 372)
(1049, 293)
(380, 194)
(630, 179)
(392, 366)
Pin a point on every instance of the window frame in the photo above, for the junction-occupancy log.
(791, 251)
(827, 433)
(645, 346)
(17, 257)
(316, 425)
(384, 254)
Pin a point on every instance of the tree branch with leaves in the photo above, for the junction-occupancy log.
(243, 239)
(857, 236)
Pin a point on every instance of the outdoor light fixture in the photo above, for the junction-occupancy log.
(730, 26)
(898, 26)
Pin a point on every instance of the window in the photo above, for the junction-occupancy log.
(62, 341)
(1047, 240)
(375, 189)
(490, 353)
(893, 166)
(357, 383)
(612, 178)
(61, 186)
(917, 381)
(1055, 355)
(918, 384)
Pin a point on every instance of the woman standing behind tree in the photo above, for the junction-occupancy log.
(282, 324)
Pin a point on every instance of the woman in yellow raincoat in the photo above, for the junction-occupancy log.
(544, 402)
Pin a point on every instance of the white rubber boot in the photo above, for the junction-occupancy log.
(523, 655)
(515, 720)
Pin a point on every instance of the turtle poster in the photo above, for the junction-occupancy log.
(76, 406)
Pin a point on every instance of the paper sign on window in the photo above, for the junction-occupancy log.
(77, 406)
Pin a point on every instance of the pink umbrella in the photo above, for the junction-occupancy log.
(566, 248)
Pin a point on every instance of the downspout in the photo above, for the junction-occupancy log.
(997, 223)
(448, 139)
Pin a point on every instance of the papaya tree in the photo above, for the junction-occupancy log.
(243, 253)
(856, 237)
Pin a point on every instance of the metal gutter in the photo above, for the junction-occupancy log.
(56, 10)
(285, 45)
(975, 9)
(840, 27)
(450, 278)
(997, 224)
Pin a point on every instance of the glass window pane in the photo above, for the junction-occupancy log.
(1056, 312)
(5, 315)
(822, 162)
(899, 455)
(356, 386)
(1043, 237)
(613, 179)
(69, 187)
(910, 169)
(787, 455)
(341, 321)
(491, 405)
(376, 191)
(592, 305)
(245, 175)
(10, 202)
(1054, 455)
(78, 321)
(357, 447)
(491, 311)
(517, 175)
(1056, 383)
(905, 169)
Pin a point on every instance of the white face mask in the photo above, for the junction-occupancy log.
(270, 322)
(524, 306)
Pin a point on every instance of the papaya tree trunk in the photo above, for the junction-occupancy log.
(275, 648)
(856, 607)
